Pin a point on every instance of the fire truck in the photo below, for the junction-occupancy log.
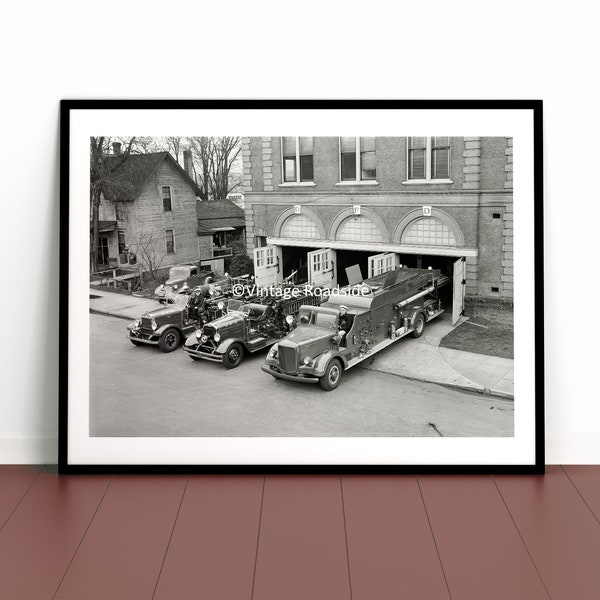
(248, 326)
(355, 324)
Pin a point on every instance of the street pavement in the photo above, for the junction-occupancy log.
(140, 391)
(421, 359)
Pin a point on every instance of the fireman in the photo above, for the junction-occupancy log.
(345, 320)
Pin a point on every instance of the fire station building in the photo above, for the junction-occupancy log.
(330, 210)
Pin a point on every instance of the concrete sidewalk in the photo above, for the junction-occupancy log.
(124, 306)
(420, 359)
(423, 359)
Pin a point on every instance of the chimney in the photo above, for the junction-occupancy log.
(187, 163)
(116, 148)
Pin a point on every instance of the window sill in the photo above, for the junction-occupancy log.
(297, 184)
(365, 182)
(427, 181)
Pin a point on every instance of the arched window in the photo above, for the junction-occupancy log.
(429, 231)
(359, 228)
(300, 226)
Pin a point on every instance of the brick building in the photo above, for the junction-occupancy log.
(320, 205)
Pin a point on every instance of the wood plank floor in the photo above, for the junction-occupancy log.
(299, 537)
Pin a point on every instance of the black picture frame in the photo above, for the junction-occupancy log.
(71, 130)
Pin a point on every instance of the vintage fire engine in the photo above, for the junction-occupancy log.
(167, 327)
(247, 327)
(355, 324)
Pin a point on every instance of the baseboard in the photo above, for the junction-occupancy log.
(28, 450)
(573, 449)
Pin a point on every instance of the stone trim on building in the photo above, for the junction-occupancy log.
(247, 166)
(365, 212)
(472, 164)
(507, 289)
(290, 212)
(508, 167)
(445, 218)
(267, 162)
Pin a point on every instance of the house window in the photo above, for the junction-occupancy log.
(270, 254)
(357, 159)
(170, 241)
(297, 159)
(166, 198)
(428, 158)
(121, 242)
(120, 211)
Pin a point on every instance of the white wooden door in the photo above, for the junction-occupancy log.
(267, 265)
(382, 263)
(322, 268)
(458, 295)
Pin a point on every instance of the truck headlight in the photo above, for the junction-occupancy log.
(307, 360)
(289, 319)
(217, 337)
(154, 326)
(198, 333)
(175, 287)
(221, 305)
(136, 324)
(273, 351)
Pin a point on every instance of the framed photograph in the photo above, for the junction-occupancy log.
(363, 296)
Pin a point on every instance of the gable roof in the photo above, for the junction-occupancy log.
(218, 209)
(215, 215)
(127, 180)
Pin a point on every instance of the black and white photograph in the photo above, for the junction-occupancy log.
(301, 292)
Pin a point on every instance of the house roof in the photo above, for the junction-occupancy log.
(218, 215)
(127, 180)
(217, 209)
(225, 224)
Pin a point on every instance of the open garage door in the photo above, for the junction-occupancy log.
(458, 295)
(267, 265)
(382, 263)
(321, 268)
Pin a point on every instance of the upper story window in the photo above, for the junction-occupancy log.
(170, 241)
(166, 197)
(428, 159)
(357, 159)
(297, 159)
(120, 211)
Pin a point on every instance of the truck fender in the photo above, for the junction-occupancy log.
(325, 359)
(226, 344)
(160, 330)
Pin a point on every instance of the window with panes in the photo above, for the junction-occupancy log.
(297, 157)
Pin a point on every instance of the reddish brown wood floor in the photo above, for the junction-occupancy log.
(299, 537)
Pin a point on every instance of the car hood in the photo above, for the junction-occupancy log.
(167, 311)
(226, 321)
(309, 333)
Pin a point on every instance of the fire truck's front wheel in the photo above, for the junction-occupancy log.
(233, 357)
(333, 375)
(419, 325)
(169, 340)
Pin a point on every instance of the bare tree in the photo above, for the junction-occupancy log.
(150, 253)
(175, 146)
(215, 157)
(103, 182)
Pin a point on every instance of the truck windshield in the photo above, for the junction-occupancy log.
(323, 319)
(179, 273)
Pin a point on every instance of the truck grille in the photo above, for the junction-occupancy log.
(146, 321)
(287, 359)
(209, 330)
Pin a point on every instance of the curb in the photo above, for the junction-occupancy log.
(474, 389)
(107, 313)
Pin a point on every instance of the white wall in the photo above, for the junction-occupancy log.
(127, 49)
